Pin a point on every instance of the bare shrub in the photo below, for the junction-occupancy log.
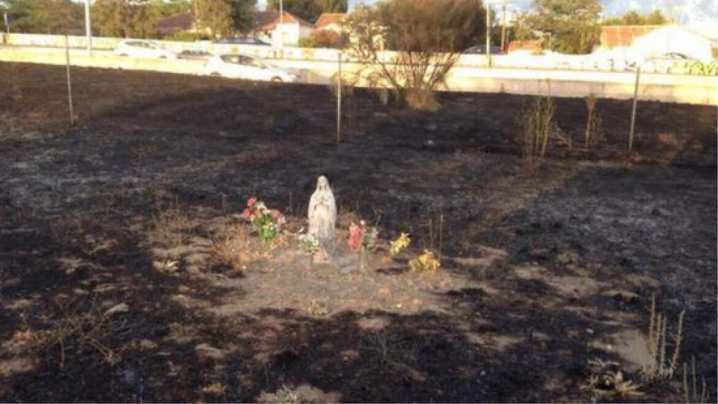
(593, 122)
(661, 365)
(78, 330)
(537, 126)
(426, 37)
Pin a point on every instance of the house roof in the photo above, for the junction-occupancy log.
(618, 36)
(175, 23)
(525, 45)
(268, 20)
(327, 19)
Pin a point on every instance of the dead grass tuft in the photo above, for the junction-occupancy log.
(691, 392)
(284, 395)
(234, 247)
(662, 365)
(421, 100)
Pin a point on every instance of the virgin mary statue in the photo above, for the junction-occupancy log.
(322, 212)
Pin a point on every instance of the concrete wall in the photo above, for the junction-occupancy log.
(464, 77)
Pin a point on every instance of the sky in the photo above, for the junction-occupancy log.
(698, 13)
(701, 14)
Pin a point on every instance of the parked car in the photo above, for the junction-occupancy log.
(241, 41)
(667, 63)
(248, 68)
(143, 49)
(194, 55)
(481, 50)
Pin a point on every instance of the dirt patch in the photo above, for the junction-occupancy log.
(539, 274)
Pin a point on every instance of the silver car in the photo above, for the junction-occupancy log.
(143, 49)
(247, 67)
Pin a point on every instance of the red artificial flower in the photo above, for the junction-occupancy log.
(276, 214)
(246, 214)
(356, 234)
(252, 201)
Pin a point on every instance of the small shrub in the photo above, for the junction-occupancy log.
(537, 125)
(324, 39)
(607, 382)
(181, 36)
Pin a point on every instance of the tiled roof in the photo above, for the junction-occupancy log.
(329, 18)
(175, 23)
(615, 36)
(268, 20)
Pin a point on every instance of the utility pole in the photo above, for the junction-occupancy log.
(503, 30)
(280, 27)
(488, 33)
(88, 27)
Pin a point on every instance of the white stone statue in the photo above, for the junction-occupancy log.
(322, 213)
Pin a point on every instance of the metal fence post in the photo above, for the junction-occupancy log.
(69, 80)
(633, 112)
(339, 97)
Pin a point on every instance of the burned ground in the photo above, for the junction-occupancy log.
(539, 273)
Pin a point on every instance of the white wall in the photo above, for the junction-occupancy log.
(673, 39)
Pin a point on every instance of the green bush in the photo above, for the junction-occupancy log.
(182, 36)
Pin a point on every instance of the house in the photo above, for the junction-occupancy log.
(674, 38)
(655, 40)
(331, 22)
(281, 30)
(622, 36)
(182, 22)
(529, 45)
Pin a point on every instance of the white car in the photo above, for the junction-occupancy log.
(248, 68)
(143, 49)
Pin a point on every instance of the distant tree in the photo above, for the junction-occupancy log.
(214, 16)
(45, 16)
(634, 18)
(166, 8)
(570, 25)
(428, 37)
(309, 10)
(125, 18)
(242, 15)
(325, 39)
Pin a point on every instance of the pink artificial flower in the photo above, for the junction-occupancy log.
(276, 214)
(356, 234)
(246, 214)
(252, 201)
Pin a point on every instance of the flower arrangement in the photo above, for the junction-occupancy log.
(266, 221)
(400, 244)
(361, 238)
(425, 262)
(309, 244)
